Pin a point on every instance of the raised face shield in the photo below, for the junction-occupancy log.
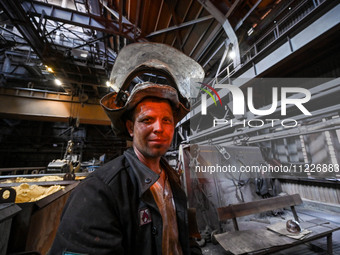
(182, 75)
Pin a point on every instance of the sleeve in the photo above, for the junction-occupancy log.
(89, 224)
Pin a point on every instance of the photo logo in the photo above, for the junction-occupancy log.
(208, 92)
(239, 99)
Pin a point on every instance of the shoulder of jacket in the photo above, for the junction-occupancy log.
(110, 170)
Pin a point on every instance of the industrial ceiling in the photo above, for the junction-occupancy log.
(63, 50)
(77, 41)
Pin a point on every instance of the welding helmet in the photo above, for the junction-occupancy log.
(181, 73)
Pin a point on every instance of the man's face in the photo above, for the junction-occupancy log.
(153, 127)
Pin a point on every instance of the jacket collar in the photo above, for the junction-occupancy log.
(145, 176)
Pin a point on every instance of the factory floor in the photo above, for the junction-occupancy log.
(316, 247)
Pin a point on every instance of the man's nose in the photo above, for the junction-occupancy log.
(158, 126)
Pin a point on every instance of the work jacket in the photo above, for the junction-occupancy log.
(113, 211)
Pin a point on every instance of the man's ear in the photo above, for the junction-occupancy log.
(129, 127)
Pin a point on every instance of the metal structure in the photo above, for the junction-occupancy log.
(238, 42)
(300, 42)
(77, 42)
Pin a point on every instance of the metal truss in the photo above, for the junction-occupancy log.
(73, 42)
(79, 19)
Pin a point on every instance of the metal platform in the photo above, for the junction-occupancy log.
(316, 247)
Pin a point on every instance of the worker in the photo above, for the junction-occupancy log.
(134, 204)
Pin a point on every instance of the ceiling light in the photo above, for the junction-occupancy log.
(108, 84)
(58, 82)
(232, 54)
(250, 31)
(49, 69)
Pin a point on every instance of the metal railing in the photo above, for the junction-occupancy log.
(280, 28)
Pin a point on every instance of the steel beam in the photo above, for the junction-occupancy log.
(46, 106)
(159, 14)
(305, 38)
(191, 28)
(15, 12)
(223, 20)
(170, 17)
(116, 14)
(182, 20)
(184, 24)
(200, 39)
(314, 31)
(11, 32)
(239, 24)
(207, 42)
(80, 19)
(24, 77)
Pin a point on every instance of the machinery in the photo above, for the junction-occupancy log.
(69, 164)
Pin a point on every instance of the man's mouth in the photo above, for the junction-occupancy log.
(157, 140)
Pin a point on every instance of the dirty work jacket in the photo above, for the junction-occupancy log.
(113, 211)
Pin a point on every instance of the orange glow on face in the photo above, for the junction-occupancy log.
(153, 128)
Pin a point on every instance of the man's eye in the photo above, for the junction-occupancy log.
(168, 120)
(146, 120)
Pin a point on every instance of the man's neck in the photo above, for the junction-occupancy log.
(152, 163)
